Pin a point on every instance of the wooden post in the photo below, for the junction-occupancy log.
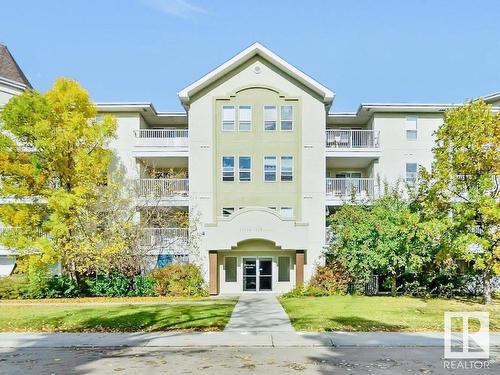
(213, 277)
(299, 268)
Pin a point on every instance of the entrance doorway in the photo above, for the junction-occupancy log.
(257, 274)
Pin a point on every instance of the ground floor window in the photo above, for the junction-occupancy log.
(230, 269)
(284, 269)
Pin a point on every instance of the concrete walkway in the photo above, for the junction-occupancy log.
(259, 312)
(230, 339)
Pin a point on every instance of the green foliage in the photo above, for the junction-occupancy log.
(14, 287)
(62, 286)
(112, 285)
(461, 192)
(179, 280)
(144, 286)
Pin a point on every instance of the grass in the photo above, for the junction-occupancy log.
(116, 318)
(362, 313)
(103, 300)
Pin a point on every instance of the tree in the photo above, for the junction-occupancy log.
(54, 162)
(386, 238)
(461, 190)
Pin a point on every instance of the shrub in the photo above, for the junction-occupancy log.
(179, 280)
(112, 285)
(62, 286)
(144, 286)
(331, 279)
(14, 287)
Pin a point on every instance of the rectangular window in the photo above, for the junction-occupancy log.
(283, 269)
(245, 118)
(411, 128)
(287, 168)
(227, 211)
(269, 168)
(228, 168)
(286, 117)
(286, 212)
(230, 267)
(411, 173)
(228, 117)
(270, 117)
(245, 168)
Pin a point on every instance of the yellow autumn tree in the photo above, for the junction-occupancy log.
(54, 163)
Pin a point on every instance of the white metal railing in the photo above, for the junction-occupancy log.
(169, 138)
(166, 237)
(163, 187)
(346, 187)
(352, 139)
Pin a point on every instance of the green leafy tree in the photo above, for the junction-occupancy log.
(54, 161)
(461, 191)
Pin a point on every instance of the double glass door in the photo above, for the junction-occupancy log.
(257, 274)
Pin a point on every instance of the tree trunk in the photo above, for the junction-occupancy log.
(486, 288)
(394, 286)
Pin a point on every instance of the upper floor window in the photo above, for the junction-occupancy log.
(269, 168)
(228, 118)
(245, 168)
(245, 118)
(227, 211)
(286, 117)
(270, 117)
(411, 173)
(287, 168)
(286, 212)
(411, 128)
(228, 168)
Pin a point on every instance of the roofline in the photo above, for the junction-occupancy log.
(255, 49)
(492, 97)
(135, 107)
(14, 84)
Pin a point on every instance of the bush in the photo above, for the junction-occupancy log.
(179, 280)
(144, 286)
(14, 287)
(112, 285)
(62, 286)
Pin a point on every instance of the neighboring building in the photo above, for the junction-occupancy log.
(259, 160)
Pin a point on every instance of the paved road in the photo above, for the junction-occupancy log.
(259, 312)
(221, 361)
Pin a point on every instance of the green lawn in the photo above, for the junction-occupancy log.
(116, 318)
(362, 313)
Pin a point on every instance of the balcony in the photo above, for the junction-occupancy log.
(161, 142)
(343, 190)
(352, 143)
(163, 191)
(168, 240)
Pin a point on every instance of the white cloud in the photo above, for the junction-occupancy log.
(178, 8)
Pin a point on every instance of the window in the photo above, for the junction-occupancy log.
(228, 168)
(269, 168)
(228, 117)
(230, 269)
(245, 168)
(272, 208)
(227, 211)
(270, 117)
(411, 128)
(287, 168)
(286, 117)
(283, 269)
(286, 212)
(411, 173)
(245, 118)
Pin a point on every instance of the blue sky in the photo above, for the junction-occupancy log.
(441, 51)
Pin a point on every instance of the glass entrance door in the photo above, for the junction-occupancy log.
(265, 274)
(250, 274)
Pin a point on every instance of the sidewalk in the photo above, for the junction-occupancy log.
(257, 312)
(229, 339)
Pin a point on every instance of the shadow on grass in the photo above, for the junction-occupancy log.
(351, 324)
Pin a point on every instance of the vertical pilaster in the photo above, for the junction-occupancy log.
(213, 276)
(299, 267)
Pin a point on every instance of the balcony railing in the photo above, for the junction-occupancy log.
(347, 187)
(352, 139)
(172, 238)
(162, 137)
(163, 187)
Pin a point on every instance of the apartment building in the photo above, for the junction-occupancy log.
(259, 159)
